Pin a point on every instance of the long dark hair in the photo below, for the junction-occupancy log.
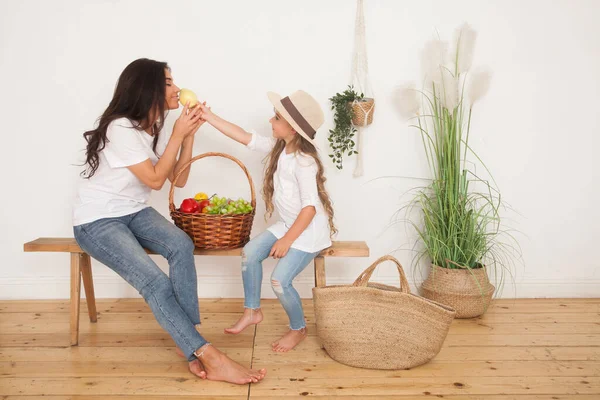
(139, 94)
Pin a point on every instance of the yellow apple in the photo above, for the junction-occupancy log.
(186, 95)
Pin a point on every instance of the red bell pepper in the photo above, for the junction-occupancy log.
(189, 206)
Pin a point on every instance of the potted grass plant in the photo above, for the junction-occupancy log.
(459, 226)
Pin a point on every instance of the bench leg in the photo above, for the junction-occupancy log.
(75, 296)
(88, 285)
(320, 271)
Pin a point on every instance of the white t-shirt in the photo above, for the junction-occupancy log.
(114, 190)
(295, 187)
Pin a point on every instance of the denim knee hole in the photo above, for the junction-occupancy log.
(276, 285)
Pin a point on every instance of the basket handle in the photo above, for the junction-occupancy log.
(364, 278)
(198, 157)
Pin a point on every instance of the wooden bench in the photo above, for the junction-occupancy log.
(81, 269)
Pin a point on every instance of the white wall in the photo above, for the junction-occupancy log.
(537, 129)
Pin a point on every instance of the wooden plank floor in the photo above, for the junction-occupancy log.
(526, 349)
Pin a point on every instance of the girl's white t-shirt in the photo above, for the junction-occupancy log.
(114, 191)
(295, 187)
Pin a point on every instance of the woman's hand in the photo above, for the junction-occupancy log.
(188, 122)
(201, 122)
(280, 248)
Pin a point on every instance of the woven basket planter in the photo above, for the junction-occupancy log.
(363, 111)
(468, 291)
(215, 231)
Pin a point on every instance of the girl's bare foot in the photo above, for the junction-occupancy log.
(250, 317)
(194, 366)
(289, 340)
(219, 367)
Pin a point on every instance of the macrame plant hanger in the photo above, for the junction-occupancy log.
(359, 78)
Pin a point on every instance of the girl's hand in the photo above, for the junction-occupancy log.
(188, 122)
(206, 113)
(225, 127)
(280, 248)
(201, 121)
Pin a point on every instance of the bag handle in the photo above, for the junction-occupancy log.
(364, 278)
(212, 154)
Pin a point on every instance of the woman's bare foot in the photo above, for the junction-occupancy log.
(197, 369)
(195, 366)
(250, 317)
(289, 340)
(219, 367)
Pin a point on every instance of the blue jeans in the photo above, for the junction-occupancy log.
(119, 244)
(287, 269)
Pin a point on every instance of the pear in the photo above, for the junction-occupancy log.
(186, 95)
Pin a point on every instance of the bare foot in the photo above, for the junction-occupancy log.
(250, 317)
(197, 368)
(289, 340)
(194, 366)
(219, 367)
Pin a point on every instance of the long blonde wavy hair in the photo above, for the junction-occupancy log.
(299, 144)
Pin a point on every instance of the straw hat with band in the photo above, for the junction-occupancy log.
(302, 112)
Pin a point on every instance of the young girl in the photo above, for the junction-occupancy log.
(294, 185)
(128, 155)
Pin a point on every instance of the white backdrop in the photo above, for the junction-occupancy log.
(537, 129)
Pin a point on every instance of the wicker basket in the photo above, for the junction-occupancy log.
(468, 291)
(371, 325)
(215, 231)
(363, 111)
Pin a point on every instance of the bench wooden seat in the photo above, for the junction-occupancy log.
(81, 268)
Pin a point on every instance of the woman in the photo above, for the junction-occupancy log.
(127, 156)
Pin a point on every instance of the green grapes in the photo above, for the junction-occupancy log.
(224, 206)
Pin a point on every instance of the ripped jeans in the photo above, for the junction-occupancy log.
(287, 269)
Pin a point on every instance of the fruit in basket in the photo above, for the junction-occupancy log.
(222, 205)
(189, 206)
(186, 95)
(203, 204)
(200, 196)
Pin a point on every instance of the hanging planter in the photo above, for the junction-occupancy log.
(362, 111)
(341, 137)
(353, 111)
